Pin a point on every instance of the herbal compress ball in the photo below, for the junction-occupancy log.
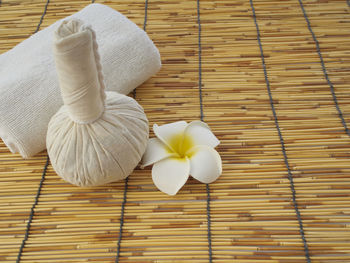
(96, 137)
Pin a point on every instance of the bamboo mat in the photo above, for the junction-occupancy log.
(276, 120)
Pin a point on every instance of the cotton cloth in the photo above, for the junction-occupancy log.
(29, 89)
(79, 71)
(95, 138)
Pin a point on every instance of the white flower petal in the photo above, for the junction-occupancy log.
(156, 150)
(201, 134)
(170, 174)
(205, 164)
(167, 132)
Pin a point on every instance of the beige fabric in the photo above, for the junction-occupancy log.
(93, 139)
(29, 89)
(80, 78)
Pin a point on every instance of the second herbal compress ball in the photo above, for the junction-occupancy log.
(96, 137)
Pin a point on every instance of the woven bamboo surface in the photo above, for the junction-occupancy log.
(253, 218)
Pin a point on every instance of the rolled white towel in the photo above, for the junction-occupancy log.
(29, 89)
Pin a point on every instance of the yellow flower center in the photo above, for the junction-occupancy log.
(181, 143)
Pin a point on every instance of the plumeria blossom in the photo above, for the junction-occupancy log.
(179, 150)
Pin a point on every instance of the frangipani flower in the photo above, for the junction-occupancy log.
(180, 150)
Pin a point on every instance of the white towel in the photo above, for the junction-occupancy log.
(29, 90)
